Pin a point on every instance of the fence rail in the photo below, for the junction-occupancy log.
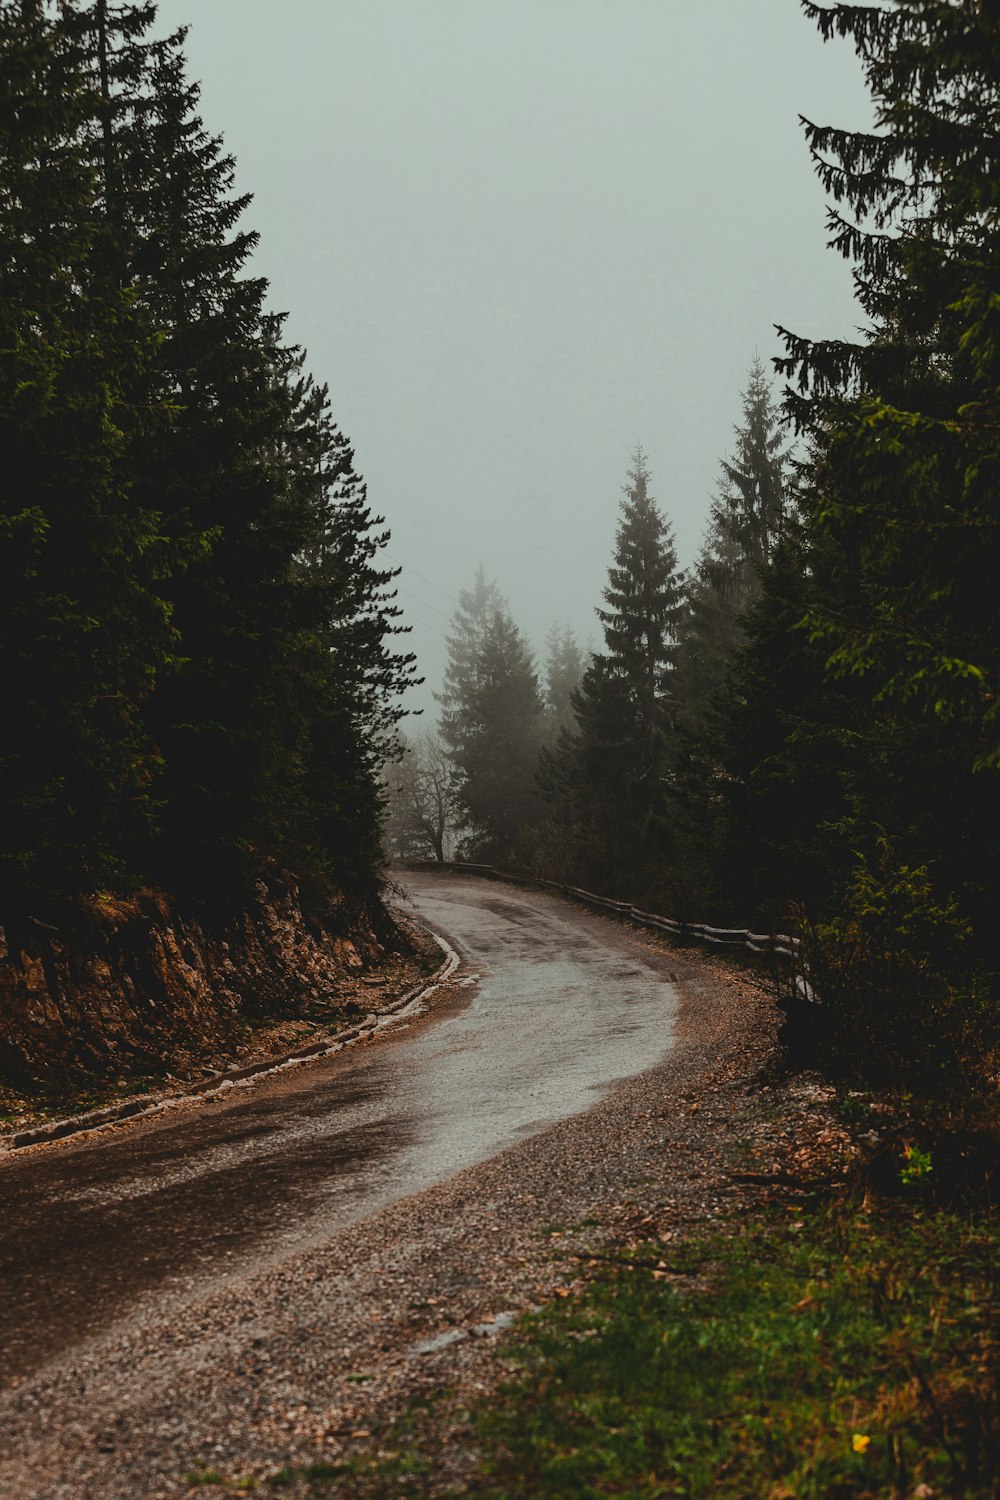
(764, 944)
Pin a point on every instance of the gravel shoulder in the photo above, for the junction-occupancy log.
(316, 1358)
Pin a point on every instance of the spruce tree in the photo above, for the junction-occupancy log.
(645, 606)
(469, 625)
(85, 625)
(906, 416)
(268, 727)
(493, 726)
(197, 630)
(564, 668)
(888, 636)
(626, 705)
(746, 520)
(752, 501)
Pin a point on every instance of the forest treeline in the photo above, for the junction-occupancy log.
(195, 626)
(582, 766)
(201, 669)
(805, 729)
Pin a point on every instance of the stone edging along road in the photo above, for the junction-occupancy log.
(134, 1108)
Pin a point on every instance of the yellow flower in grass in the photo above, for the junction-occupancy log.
(860, 1442)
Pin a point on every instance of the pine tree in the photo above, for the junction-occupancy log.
(645, 604)
(752, 502)
(907, 417)
(469, 626)
(85, 627)
(198, 632)
(268, 728)
(893, 622)
(746, 520)
(493, 726)
(626, 705)
(564, 669)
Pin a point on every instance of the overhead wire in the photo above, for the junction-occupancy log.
(429, 581)
(423, 602)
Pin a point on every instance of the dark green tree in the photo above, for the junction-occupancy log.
(268, 727)
(645, 606)
(752, 502)
(909, 448)
(746, 520)
(610, 779)
(197, 631)
(85, 624)
(901, 543)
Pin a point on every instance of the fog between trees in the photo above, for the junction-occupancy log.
(568, 765)
(802, 732)
(198, 632)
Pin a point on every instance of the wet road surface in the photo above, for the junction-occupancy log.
(108, 1227)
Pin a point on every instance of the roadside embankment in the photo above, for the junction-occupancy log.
(128, 995)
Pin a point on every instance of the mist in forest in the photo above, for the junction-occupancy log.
(519, 239)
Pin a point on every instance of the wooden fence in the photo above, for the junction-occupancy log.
(773, 945)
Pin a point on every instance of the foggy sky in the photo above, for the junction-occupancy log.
(516, 238)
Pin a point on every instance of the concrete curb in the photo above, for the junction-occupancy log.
(138, 1106)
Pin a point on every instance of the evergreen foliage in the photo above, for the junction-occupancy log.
(906, 489)
(564, 668)
(469, 626)
(196, 628)
(644, 605)
(84, 626)
(493, 725)
(873, 670)
(607, 783)
(746, 521)
(752, 502)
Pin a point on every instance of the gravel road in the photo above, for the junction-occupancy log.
(266, 1280)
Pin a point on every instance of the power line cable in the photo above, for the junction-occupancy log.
(423, 623)
(423, 602)
(428, 581)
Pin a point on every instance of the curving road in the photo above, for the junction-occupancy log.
(130, 1226)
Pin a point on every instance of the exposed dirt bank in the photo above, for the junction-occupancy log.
(127, 992)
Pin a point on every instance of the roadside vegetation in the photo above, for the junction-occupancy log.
(846, 1347)
(848, 1352)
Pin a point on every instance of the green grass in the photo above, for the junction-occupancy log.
(849, 1354)
(852, 1354)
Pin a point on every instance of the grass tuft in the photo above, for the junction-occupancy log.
(848, 1355)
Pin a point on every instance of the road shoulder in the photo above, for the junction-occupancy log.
(320, 1359)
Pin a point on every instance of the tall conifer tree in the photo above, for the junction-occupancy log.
(878, 704)
(746, 520)
(84, 624)
(195, 591)
(492, 724)
(613, 772)
(469, 625)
